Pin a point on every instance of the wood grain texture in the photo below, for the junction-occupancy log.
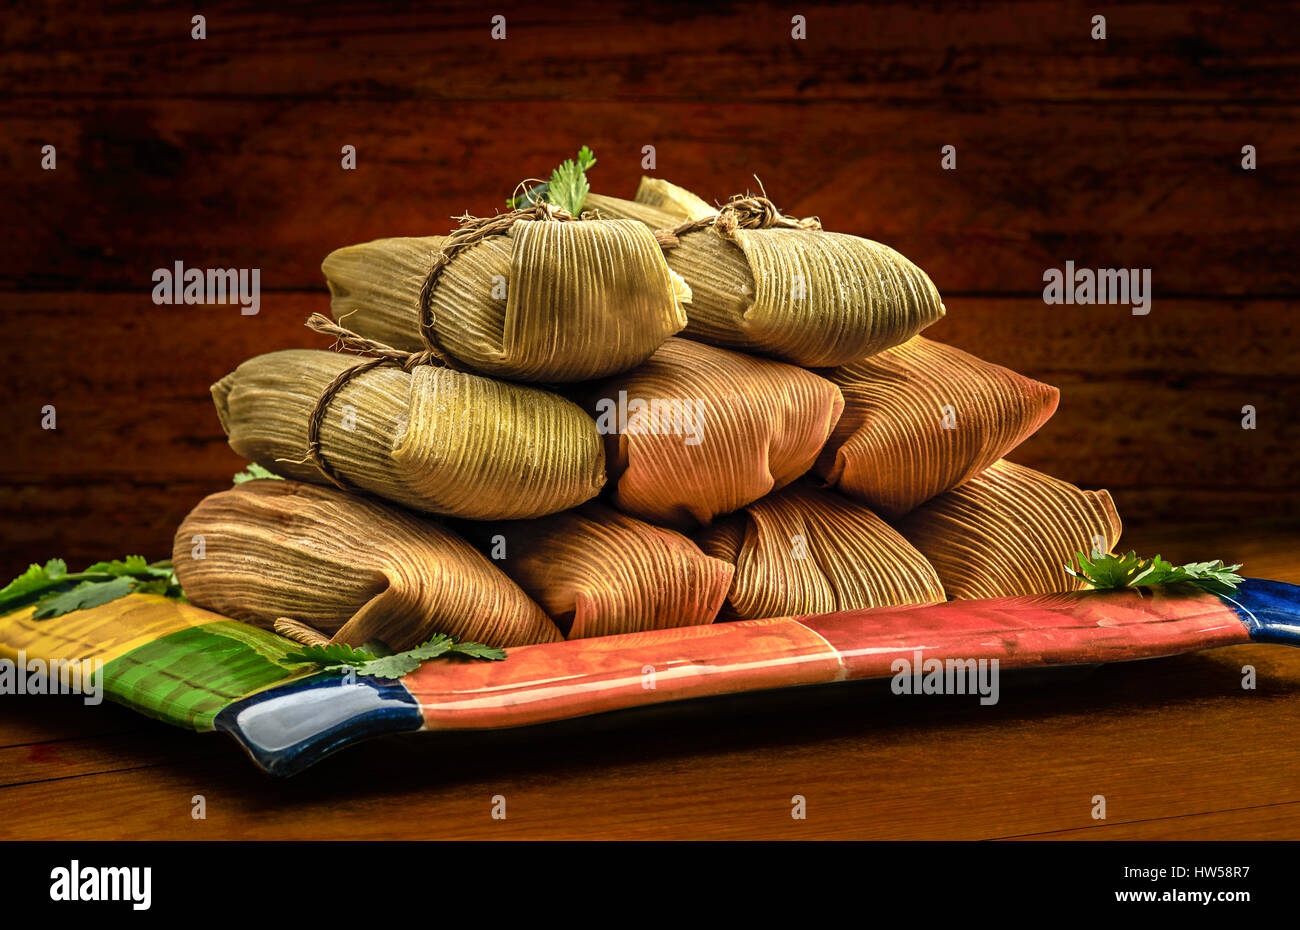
(1265, 822)
(1123, 152)
(1028, 49)
(1176, 745)
(1132, 185)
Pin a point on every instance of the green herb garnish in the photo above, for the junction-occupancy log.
(55, 591)
(339, 657)
(1129, 571)
(253, 472)
(567, 188)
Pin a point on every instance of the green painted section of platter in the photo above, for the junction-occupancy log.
(185, 678)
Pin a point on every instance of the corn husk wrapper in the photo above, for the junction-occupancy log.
(434, 439)
(898, 444)
(729, 428)
(598, 572)
(549, 301)
(352, 568)
(804, 550)
(666, 197)
(809, 297)
(1009, 531)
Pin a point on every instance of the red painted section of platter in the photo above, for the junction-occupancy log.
(556, 681)
(1021, 632)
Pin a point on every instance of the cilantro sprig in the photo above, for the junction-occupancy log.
(339, 657)
(567, 188)
(56, 591)
(1103, 571)
(254, 472)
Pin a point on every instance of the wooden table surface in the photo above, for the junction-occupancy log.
(1176, 746)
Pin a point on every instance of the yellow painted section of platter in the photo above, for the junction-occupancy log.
(103, 632)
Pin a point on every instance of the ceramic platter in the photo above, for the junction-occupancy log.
(198, 670)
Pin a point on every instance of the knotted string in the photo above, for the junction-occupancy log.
(471, 231)
(741, 212)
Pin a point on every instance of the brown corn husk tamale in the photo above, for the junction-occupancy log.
(804, 550)
(806, 296)
(598, 572)
(549, 301)
(355, 569)
(708, 430)
(923, 417)
(1011, 530)
(434, 439)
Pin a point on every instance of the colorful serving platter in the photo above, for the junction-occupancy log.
(195, 669)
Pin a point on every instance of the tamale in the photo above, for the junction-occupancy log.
(923, 417)
(804, 550)
(352, 568)
(437, 440)
(697, 431)
(1011, 530)
(803, 295)
(549, 301)
(597, 572)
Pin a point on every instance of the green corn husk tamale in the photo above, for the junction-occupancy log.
(549, 301)
(697, 431)
(352, 568)
(434, 439)
(1011, 530)
(598, 572)
(923, 417)
(803, 550)
(810, 297)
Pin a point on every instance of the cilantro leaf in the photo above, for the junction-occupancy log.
(1129, 571)
(479, 651)
(132, 565)
(1106, 571)
(339, 657)
(85, 595)
(438, 645)
(55, 591)
(567, 189)
(254, 472)
(394, 666)
(128, 566)
(167, 587)
(330, 654)
(31, 584)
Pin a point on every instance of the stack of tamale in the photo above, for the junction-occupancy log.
(660, 413)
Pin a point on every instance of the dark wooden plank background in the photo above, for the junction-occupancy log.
(225, 153)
